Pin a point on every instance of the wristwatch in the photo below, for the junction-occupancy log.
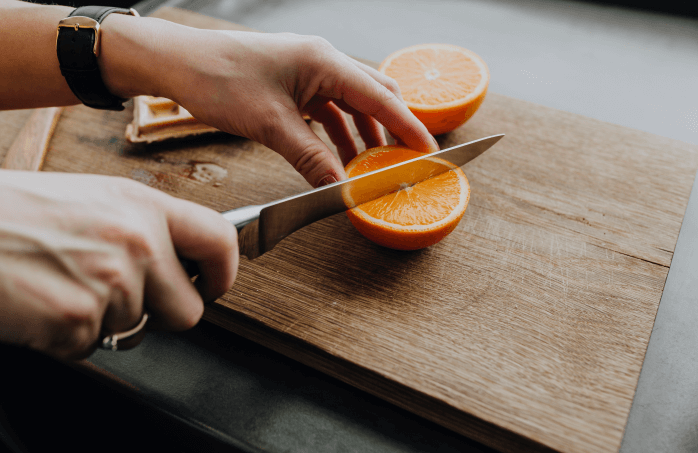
(77, 45)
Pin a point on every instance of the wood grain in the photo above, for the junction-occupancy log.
(525, 329)
(28, 150)
(10, 125)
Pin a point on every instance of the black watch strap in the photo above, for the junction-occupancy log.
(77, 56)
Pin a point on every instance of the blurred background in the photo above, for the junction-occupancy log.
(681, 7)
(620, 61)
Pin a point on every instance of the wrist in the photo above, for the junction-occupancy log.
(129, 55)
(28, 56)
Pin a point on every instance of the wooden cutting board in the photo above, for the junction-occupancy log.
(525, 329)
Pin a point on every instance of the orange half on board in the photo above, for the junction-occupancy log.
(442, 84)
(415, 216)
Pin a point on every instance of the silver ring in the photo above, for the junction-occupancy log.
(125, 340)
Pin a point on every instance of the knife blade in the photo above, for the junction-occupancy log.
(262, 227)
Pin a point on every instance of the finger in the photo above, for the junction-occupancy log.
(389, 83)
(68, 328)
(397, 139)
(370, 130)
(170, 297)
(288, 134)
(195, 233)
(116, 281)
(204, 236)
(399, 142)
(125, 301)
(335, 124)
(362, 92)
(75, 336)
(381, 78)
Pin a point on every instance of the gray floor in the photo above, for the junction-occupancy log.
(628, 67)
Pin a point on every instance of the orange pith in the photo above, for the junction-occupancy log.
(414, 217)
(442, 84)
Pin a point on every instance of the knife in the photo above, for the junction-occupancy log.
(261, 227)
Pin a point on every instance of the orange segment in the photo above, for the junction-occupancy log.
(415, 216)
(442, 84)
(360, 192)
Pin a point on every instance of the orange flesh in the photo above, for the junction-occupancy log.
(434, 76)
(413, 217)
(390, 155)
(443, 85)
(424, 203)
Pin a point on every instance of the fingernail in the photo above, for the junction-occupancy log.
(329, 179)
(435, 142)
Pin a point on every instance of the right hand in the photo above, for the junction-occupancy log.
(259, 86)
(82, 256)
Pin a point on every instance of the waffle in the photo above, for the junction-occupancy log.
(156, 119)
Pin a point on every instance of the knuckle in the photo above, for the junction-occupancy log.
(378, 102)
(318, 43)
(84, 310)
(314, 51)
(135, 190)
(384, 98)
(385, 95)
(84, 343)
(111, 271)
(139, 244)
(392, 85)
(75, 327)
(308, 159)
(133, 235)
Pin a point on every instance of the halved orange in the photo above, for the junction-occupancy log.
(442, 84)
(415, 216)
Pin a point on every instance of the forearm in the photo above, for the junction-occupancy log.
(29, 71)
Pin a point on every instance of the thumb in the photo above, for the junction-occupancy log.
(292, 137)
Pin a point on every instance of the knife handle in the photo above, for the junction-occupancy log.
(240, 217)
